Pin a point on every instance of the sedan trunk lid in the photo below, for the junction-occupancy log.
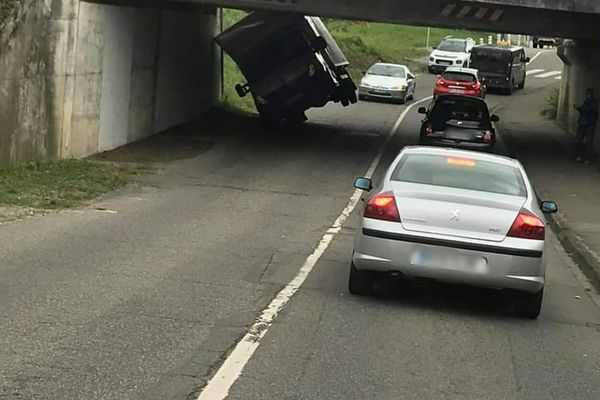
(456, 212)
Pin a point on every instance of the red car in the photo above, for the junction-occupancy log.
(459, 81)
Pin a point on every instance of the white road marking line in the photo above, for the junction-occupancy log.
(534, 71)
(549, 74)
(219, 385)
(537, 55)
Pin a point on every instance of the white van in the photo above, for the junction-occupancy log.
(450, 52)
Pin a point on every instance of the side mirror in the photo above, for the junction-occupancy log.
(363, 184)
(410, 77)
(422, 110)
(527, 59)
(494, 118)
(434, 47)
(549, 207)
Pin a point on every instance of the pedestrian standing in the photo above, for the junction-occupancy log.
(588, 119)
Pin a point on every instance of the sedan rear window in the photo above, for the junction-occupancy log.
(458, 77)
(460, 173)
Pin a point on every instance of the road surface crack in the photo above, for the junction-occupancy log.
(253, 190)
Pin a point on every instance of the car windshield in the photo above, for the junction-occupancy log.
(460, 173)
(492, 61)
(457, 108)
(458, 76)
(387, 70)
(456, 46)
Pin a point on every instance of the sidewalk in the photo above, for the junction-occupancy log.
(547, 152)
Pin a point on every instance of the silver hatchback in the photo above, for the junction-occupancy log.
(454, 216)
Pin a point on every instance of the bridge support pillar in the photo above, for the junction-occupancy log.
(581, 71)
(85, 77)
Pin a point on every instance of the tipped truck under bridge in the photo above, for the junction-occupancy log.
(291, 62)
(563, 18)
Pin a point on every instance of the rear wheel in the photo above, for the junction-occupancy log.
(529, 305)
(360, 282)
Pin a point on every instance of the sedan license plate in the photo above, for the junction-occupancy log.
(457, 90)
(449, 260)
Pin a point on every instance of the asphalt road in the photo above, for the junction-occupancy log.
(145, 301)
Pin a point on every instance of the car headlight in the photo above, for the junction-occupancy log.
(402, 87)
(460, 62)
(364, 83)
(431, 59)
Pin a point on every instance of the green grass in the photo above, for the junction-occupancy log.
(62, 183)
(363, 43)
(550, 111)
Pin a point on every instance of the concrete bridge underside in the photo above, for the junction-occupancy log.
(564, 18)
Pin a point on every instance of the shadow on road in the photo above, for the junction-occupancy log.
(191, 140)
(446, 298)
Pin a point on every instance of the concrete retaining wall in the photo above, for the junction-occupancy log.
(581, 71)
(78, 78)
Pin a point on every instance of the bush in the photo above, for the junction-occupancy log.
(550, 111)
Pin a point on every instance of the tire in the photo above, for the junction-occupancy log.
(362, 97)
(402, 100)
(529, 305)
(535, 45)
(522, 84)
(430, 70)
(360, 282)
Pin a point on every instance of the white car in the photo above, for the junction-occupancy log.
(450, 52)
(392, 82)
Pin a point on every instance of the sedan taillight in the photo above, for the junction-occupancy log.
(528, 226)
(382, 207)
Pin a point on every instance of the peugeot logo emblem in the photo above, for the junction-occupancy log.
(454, 215)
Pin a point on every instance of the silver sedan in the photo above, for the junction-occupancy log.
(388, 82)
(454, 216)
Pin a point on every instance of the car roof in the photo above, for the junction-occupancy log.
(472, 71)
(474, 155)
(498, 47)
(460, 97)
(390, 65)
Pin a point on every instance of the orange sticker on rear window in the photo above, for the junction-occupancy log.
(461, 162)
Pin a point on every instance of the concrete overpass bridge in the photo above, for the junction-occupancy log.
(564, 18)
(81, 77)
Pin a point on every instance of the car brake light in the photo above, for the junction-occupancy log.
(527, 226)
(461, 162)
(441, 82)
(383, 207)
(488, 137)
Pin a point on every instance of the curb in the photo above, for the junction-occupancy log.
(574, 245)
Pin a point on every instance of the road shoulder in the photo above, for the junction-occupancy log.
(546, 151)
